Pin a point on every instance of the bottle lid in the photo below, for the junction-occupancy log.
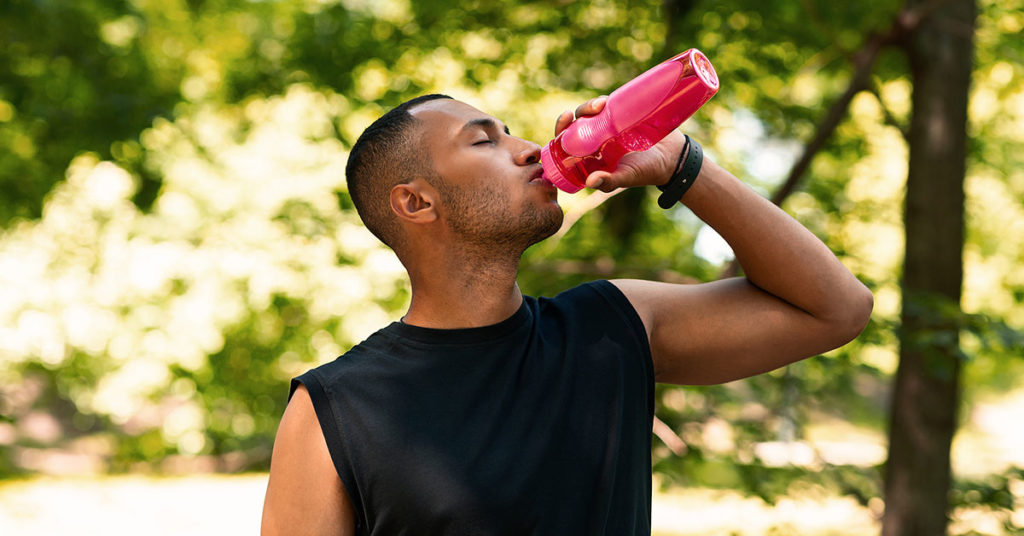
(702, 66)
(554, 175)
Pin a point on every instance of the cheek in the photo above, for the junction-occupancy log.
(467, 169)
(478, 198)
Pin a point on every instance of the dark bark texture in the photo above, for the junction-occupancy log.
(926, 395)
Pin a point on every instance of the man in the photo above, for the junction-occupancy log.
(487, 412)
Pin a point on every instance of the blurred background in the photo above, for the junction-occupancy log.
(177, 242)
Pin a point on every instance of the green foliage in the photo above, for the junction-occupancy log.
(996, 494)
(70, 81)
(180, 242)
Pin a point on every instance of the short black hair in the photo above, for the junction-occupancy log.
(387, 153)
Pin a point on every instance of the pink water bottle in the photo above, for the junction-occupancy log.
(637, 116)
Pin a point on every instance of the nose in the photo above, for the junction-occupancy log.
(528, 154)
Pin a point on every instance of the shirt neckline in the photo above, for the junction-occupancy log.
(464, 335)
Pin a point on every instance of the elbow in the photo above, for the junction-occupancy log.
(854, 314)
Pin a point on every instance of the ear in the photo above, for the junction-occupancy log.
(414, 201)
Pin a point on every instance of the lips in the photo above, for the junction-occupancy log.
(538, 179)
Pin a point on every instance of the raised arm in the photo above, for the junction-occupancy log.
(304, 494)
(797, 299)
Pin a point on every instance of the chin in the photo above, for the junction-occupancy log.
(548, 225)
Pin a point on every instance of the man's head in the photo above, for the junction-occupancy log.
(387, 153)
(435, 164)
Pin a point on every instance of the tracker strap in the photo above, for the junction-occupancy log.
(684, 176)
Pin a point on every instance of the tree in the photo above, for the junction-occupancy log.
(221, 116)
(926, 397)
(71, 80)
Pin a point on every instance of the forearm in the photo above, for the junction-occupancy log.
(777, 254)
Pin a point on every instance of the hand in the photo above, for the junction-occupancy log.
(642, 168)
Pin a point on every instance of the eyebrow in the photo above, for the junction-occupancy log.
(483, 122)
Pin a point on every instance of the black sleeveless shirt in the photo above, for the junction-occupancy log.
(540, 424)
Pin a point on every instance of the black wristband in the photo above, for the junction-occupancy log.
(684, 176)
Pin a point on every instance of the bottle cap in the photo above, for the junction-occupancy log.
(554, 175)
(705, 71)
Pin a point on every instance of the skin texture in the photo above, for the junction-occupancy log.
(467, 233)
(304, 494)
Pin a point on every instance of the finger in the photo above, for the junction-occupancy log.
(591, 107)
(564, 120)
(621, 177)
(599, 180)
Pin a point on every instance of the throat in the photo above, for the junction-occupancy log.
(466, 291)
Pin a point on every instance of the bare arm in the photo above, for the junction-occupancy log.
(797, 299)
(304, 494)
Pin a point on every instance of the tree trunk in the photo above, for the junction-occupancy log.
(926, 395)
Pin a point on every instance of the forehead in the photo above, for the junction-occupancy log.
(445, 118)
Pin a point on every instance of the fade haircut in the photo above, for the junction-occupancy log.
(387, 153)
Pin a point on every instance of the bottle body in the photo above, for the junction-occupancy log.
(636, 116)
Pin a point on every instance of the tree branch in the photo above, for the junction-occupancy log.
(863, 64)
(669, 437)
(863, 61)
(887, 115)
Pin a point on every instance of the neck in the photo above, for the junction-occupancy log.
(463, 289)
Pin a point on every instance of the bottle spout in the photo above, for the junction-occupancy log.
(553, 174)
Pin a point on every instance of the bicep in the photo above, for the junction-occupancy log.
(304, 493)
(722, 331)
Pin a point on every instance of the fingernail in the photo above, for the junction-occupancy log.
(597, 182)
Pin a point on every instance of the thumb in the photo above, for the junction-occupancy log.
(600, 180)
(624, 176)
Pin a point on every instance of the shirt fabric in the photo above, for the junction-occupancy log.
(540, 424)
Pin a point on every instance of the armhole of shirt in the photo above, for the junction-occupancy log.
(622, 305)
(329, 426)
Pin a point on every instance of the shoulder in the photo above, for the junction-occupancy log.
(598, 298)
(350, 363)
(304, 491)
(596, 307)
(640, 295)
(590, 294)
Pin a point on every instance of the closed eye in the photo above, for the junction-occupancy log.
(483, 141)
